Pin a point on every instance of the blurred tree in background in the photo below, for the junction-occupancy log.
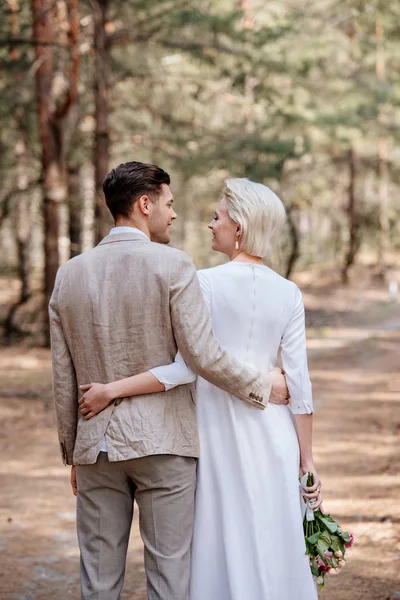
(299, 95)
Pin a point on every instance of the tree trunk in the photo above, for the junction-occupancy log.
(54, 181)
(352, 219)
(75, 210)
(295, 241)
(102, 134)
(23, 226)
(383, 193)
(52, 114)
(23, 217)
(23, 220)
(383, 190)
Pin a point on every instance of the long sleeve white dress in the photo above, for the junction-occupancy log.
(248, 539)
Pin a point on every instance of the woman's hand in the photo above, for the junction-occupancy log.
(314, 492)
(96, 398)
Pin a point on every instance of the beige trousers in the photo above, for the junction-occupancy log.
(163, 487)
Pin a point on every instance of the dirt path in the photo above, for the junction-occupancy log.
(357, 431)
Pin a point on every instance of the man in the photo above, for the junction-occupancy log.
(117, 310)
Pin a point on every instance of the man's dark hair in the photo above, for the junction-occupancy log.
(128, 182)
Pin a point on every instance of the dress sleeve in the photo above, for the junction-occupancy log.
(205, 288)
(294, 359)
(177, 373)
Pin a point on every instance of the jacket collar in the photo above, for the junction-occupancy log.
(125, 237)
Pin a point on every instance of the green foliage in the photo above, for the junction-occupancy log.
(274, 93)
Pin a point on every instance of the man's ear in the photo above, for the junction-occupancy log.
(144, 205)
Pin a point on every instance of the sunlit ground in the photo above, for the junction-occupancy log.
(354, 354)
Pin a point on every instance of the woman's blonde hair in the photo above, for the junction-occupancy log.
(259, 212)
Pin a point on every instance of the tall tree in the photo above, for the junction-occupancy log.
(22, 200)
(54, 106)
(102, 101)
(74, 209)
(352, 217)
(383, 193)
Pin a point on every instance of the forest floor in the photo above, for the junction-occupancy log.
(354, 356)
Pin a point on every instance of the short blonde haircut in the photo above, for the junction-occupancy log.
(259, 212)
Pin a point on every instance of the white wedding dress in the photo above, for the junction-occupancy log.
(248, 539)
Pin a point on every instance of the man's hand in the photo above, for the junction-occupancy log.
(279, 392)
(73, 481)
(95, 399)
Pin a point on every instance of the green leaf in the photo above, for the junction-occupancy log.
(321, 547)
(344, 535)
(314, 567)
(326, 537)
(336, 543)
(331, 525)
(313, 539)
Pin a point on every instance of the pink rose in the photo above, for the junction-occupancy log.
(333, 572)
(341, 563)
(351, 542)
(328, 554)
(324, 568)
(339, 554)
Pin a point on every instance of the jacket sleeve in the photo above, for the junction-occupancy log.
(192, 326)
(294, 359)
(65, 388)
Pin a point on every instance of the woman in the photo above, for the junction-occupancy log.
(248, 541)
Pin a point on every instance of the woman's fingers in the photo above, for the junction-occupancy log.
(317, 504)
(313, 493)
(89, 416)
(91, 407)
(310, 496)
(317, 485)
(85, 387)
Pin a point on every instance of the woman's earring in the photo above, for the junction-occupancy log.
(237, 245)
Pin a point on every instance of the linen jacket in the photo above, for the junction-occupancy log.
(120, 309)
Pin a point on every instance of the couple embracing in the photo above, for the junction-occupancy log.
(189, 415)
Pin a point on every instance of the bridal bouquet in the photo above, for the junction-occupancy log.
(326, 543)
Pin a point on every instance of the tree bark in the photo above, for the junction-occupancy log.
(102, 133)
(75, 210)
(52, 115)
(383, 189)
(22, 200)
(23, 217)
(295, 242)
(352, 219)
(54, 181)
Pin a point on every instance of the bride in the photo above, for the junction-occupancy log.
(248, 541)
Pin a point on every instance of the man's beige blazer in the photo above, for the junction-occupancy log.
(120, 309)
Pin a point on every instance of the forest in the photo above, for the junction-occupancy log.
(301, 96)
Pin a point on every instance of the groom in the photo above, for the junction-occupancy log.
(117, 310)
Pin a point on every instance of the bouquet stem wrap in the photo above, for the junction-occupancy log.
(309, 516)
